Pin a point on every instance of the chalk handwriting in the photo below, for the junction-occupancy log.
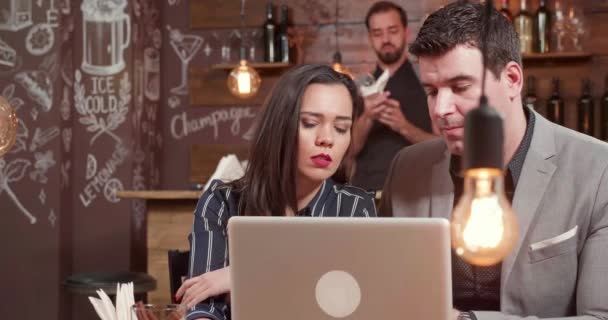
(97, 184)
(182, 126)
(103, 111)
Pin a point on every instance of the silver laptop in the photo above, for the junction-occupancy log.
(340, 268)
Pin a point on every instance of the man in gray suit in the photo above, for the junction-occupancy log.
(556, 178)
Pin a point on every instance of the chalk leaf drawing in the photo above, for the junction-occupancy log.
(11, 172)
(8, 93)
(44, 161)
(39, 87)
(101, 125)
(42, 137)
(21, 137)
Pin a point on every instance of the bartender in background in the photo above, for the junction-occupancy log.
(396, 117)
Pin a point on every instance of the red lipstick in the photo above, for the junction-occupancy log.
(321, 160)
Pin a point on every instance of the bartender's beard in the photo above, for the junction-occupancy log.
(391, 56)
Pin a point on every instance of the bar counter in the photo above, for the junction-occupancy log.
(168, 222)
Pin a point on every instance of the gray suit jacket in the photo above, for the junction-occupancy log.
(559, 266)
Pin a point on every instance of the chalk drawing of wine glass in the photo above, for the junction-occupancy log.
(12, 172)
(185, 46)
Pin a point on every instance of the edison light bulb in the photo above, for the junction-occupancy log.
(484, 227)
(8, 126)
(244, 81)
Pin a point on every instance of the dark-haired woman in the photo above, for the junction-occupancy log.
(302, 137)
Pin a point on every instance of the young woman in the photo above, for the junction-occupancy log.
(303, 135)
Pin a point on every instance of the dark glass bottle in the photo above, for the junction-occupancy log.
(542, 28)
(504, 9)
(270, 33)
(604, 112)
(555, 105)
(523, 23)
(282, 37)
(530, 98)
(585, 110)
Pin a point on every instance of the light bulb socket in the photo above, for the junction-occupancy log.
(483, 138)
(337, 57)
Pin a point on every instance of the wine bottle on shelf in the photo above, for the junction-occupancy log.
(542, 28)
(585, 110)
(504, 9)
(282, 37)
(524, 26)
(270, 33)
(555, 105)
(604, 112)
(530, 98)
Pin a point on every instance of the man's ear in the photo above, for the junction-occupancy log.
(513, 74)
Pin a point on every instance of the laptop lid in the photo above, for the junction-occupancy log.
(340, 268)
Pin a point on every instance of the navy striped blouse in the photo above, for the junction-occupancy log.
(208, 241)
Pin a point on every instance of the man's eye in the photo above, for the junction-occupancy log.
(461, 88)
(431, 93)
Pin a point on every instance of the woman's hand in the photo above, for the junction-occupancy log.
(202, 287)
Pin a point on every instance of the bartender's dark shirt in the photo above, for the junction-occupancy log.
(383, 143)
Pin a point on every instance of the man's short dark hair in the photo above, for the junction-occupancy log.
(462, 23)
(384, 6)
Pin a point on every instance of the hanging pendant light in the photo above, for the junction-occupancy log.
(8, 126)
(337, 61)
(483, 226)
(243, 81)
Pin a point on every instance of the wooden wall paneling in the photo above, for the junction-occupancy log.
(208, 87)
(597, 40)
(169, 223)
(225, 13)
(205, 158)
(205, 14)
(210, 14)
(320, 44)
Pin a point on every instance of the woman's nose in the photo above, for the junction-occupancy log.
(325, 138)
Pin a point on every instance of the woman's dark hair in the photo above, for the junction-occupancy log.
(462, 23)
(269, 184)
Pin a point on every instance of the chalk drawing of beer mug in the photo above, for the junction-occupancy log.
(107, 33)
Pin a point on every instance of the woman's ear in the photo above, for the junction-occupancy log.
(514, 76)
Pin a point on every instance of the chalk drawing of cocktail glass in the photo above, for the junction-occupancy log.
(107, 33)
(185, 46)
